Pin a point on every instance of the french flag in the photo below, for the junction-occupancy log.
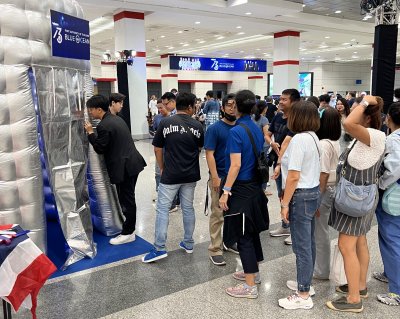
(23, 271)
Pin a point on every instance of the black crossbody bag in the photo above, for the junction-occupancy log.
(262, 168)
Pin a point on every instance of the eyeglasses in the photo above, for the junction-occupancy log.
(165, 104)
(230, 105)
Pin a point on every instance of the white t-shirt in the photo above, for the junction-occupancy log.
(302, 155)
(363, 156)
(153, 107)
(330, 151)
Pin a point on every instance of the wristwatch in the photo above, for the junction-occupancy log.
(364, 104)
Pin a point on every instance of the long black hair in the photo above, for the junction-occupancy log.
(259, 108)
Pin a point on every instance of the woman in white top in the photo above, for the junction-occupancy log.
(389, 221)
(328, 134)
(300, 176)
(364, 156)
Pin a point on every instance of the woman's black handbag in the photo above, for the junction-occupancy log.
(262, 168)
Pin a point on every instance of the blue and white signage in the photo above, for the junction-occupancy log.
(186, 63)
(70, 36)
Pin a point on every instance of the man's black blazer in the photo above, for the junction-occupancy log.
(114, 140)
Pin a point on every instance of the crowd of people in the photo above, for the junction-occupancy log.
(335, 166)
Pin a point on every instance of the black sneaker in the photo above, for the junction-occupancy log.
(218, 260)
(344, 289)
(232, 249)
(342, 305)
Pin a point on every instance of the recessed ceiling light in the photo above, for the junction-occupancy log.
(248, 13)
(258, 49)
(352, 40)
(338, 11)
(239, 27)
(304, 5)
(355, 52)
(318, 56)
(163, 36)
(216, 35)
(180, 31)
(241, 51)
(240, 33)
(200, 53)
(220, 38)
(148, 40)
(170, 47)
(327, 37)
(181, 42)
(197, 22)
(185, 45)
(347, 43)
(202, 41)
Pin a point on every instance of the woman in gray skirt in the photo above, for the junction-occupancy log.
(364, 156)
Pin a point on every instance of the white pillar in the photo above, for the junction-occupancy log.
(130, 35)
(258, 85)
(286, 61)
(169, 78)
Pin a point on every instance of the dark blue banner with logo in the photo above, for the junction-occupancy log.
(187, 63)
(70, 36)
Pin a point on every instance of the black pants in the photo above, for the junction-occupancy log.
(126, 196)
(250, 251)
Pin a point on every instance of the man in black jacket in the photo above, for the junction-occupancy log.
(123, 161)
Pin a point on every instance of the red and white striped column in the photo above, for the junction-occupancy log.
(130, 35)
(286, 61)
(169, 78)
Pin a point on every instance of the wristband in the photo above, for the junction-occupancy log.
(284, 206)
(226, 188)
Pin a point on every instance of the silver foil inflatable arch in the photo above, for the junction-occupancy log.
(25, 42)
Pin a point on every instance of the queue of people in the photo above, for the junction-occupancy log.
(322, 182)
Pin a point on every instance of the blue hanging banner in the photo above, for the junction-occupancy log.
(70, 37)
(187, 63)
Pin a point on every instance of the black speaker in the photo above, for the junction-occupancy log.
(384, 64)
(123, 88)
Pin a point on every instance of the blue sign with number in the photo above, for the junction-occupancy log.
(186, 63)
(70, 36)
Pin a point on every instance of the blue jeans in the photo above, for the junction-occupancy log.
(389, 245)
(302, 210)
(157, 175)
(279, 189)
(166, 195)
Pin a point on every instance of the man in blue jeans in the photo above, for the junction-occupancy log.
(181, 137)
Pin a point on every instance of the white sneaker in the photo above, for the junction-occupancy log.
(292, 285)
(280, 232)
(288, 241)
(122, 239)
(296, 302)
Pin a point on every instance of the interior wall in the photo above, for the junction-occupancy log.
(328, 76)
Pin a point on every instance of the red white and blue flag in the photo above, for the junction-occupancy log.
(23, 269)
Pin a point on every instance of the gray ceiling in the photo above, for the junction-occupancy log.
(350, 8)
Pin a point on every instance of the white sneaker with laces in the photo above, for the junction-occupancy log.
(122, 239)
(296, 302)
(288, 240)
(292, 285)
(279, 232)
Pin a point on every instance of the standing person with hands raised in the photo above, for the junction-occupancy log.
(359, 165)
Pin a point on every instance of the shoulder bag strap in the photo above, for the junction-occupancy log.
(251, 139)
(316, 145)
(343, 172)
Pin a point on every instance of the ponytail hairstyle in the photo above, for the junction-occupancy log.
(259, 108)
(394, 113)
(374, 112)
